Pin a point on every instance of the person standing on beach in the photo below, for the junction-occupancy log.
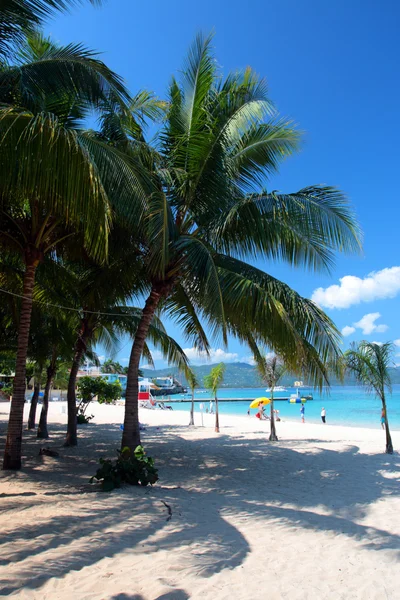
(383, 415)
(211, 407)
(302, 413)
(323, 415)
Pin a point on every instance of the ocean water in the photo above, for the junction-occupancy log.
(345, 405)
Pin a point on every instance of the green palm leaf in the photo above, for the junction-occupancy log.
(18, 16)
(304, 228)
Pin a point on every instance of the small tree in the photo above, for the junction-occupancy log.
(193, 384)
(112, 366)
(90, 387)
(271, 369)
(370, 363)
(212, 382)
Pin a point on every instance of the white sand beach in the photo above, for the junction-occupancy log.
(316, 515)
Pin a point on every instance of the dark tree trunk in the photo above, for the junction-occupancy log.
(272, 436)
(131, 433)
(389, 444)
(12, 452)
(216, 415)
(191, 422)
(42, 432)
(33, 407)
(80, 347)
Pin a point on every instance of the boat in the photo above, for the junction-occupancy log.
(278, 388)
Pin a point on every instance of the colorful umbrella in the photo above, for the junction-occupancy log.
(258, 401)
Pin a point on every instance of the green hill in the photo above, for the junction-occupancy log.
(243, 375)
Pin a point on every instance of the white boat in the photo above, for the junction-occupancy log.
(278, 388)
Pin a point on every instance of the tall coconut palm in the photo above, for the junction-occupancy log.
(271, 369)
(56, 182)
(213, 382)
(370, 363)
(101, 295)
(208, 213)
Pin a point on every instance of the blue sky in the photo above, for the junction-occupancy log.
(333, 68)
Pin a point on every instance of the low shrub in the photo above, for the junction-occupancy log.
(83, 419)
(133, 468)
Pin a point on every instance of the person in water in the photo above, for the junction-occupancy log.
(323, 415)
(383, 415)
(302, 413)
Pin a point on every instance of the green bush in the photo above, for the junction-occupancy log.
(134, 469)
(83, 419)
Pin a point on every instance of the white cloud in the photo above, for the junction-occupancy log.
(146, 366)
(347, 330)
(215, 355)
(354, 290)
(157, 355)
(101, 358)
(367, 324)
(377, 343)
(396, 342)
(249, 360)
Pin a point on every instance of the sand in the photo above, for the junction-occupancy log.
(316, 515)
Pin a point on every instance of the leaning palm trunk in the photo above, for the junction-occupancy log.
(272, 436)
(33, 407)
(131, 433)
(12, 452)
(72, 437)
(42, 432)
(389, 444)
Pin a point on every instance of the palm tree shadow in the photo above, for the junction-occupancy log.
(234, 476)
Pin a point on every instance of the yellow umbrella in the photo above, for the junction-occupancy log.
(257, 401)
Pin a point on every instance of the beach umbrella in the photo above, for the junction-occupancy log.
(257, 401)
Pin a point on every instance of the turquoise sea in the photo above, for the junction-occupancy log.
(345, 405)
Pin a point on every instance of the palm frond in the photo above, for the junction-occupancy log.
(181, 308)
(304, 228)
(37, 156)
(19, 16)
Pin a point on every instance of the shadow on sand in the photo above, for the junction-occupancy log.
(241, 478)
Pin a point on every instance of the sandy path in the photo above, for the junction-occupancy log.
(315, 516)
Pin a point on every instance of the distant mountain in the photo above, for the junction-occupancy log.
(243, 375)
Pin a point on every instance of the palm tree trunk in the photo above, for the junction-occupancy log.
(216, 415)
(191, 422)
(12, 452)
(131, 433)
(42, 432)
(34, 401)
(80, 346)
(272, 436)
(389, 444)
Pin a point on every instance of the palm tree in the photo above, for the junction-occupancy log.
(271, 369)
(101, 294)
(193, 384)
(111, 366)
(207, 210)
(370, 363)
(213, 381)
(56, 182)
